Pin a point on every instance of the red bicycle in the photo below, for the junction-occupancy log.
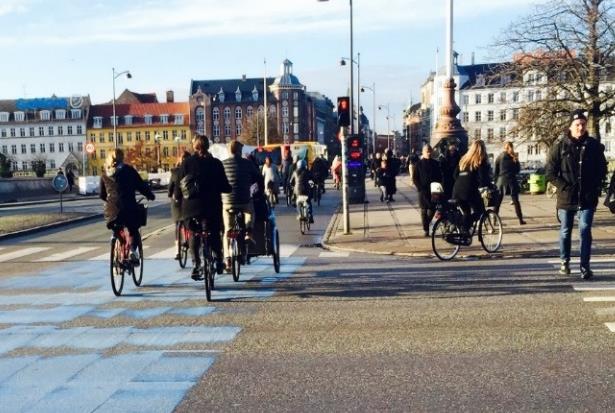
(120, 261)
(183, 244)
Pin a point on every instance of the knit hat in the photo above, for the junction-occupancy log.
(577, 114)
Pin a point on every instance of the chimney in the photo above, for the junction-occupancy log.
(243, 78)
(170, 96)
(472, 58)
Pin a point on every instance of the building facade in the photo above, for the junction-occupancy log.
(151, 134)
(50, 130)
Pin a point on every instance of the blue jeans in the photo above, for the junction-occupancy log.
(586, 218)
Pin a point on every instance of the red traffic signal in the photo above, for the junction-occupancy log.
(343, 111)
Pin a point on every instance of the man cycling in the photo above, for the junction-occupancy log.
(203, 210)
(320, 171)
(242, 174)
(302, 189)
(117, 188)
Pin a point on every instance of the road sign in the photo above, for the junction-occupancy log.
(89, 148)
(59, 183)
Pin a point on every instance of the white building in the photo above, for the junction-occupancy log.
(52, 130)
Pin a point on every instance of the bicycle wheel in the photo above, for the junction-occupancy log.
(137, 273)
(288, 197)
(235, 259)
(490, 231)
(441, 243)
(115, 267)
(182, 245)
(318, 195)
(276, 251)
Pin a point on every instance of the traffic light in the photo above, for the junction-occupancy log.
(354, 151)
(343, 111)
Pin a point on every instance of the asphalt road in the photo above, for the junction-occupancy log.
(331, 332)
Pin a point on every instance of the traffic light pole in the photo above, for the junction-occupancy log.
(345, 212)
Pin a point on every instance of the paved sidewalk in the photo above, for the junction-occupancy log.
(395, 228)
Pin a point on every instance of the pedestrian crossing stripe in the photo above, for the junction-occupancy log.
(604, 299)
(594, 287)
(164, 254)
(576, 260)
(333, 254)
(60, 256)
(611, 326)
(21, 253)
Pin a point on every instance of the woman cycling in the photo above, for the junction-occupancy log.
(272, 178)
(506, 169)
(472, 173)
(117, 188)
(176, 205)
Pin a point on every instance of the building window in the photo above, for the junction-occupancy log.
(466, 117)
(466, 99)
(128, 120)
(227, 130)
(79, 130)
(285, 128)
(515, 97)
(12, 132)
(41, 131)
(216, 114)
(60, 114)
(165, 135)
(216, 131)
(50, 130)
(490, 98)
(69, 129)
(147, 119)
(249, 112)
(490, 134)
(4, 149)
(530, 96)
(477, 133)
(52, 147)
(101, 138)
(22, 132)
(23, 148)
(24, 165)
(32, 148)
(179, 119)
(489, 115)
(14, 149)
(515, 115)
(45, 115)
(75, 113)
(114, 120)
(503, 114)
(60, 130)
(103, 154)
(110, 137)
(31, 132)
(502, 97)
(98, 122)
(164, 119)
(3, 133)
(237, 129)
(138, 135)
(165, 151)
(129, 136)
(147, 136)
(79, 146)
(238, 113)
(4, 116)
(227, 115)
(502, 133)
(20, 116)
(272, 110)
(42, 148)
(538, 95)
(478, 98)
(71, 147)
(61, 147)
(185, 135)
(477, 116)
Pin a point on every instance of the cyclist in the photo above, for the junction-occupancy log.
(176, 206)
(285, 169)
(300, 181)
(242, 174)
(203, 209)
(320, 171)
(472, 174)
(272, 178)
(336, 171)
(117, 188)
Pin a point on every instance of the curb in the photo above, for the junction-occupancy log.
(49, 226)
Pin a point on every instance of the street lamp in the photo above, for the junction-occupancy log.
(358, 63)
(345, 212)
(177, 139)
(380, 107)
(373, 90)
(157, 140)
(115, 76)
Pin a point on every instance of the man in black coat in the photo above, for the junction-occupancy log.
(204, 210)
(576, 166)
(448, 163)
(426, 171)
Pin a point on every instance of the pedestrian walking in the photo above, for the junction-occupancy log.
(384, 180)
(449, 160)
(70, 177)
(576, 166)
(427, 170)
(507, 168)
(393, 165)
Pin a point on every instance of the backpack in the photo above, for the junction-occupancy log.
(189, 186)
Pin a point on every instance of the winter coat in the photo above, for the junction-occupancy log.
(117, 189)
(176, 206)
(426, 171)
(577, 167)
(448, 164)
(300, 182)
(270, 174)
(385, 178)
(506, 170)
(241, 174)
(467, 183)
(212, 182)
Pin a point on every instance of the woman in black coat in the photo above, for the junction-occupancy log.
(426, 171)
(176, 206)
(506, 170)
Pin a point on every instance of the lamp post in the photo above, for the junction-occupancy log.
(177, 139)
(380, 107)
(358, 63)
(345, 212)
(115, 76)
(373, 90)
(157, 140)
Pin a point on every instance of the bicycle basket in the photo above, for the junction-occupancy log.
(490, 196)
(141, 215)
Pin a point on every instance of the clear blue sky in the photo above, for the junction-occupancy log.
(67, 47)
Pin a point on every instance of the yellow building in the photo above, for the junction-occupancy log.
(151, 134)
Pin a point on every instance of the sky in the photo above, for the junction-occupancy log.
(68, 47)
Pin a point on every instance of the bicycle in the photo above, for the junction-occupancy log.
(448, 233)
(237, 244)
(120, 262)
(272, 197)
(318, 191)
(208, 267)
(183, 244)
(304, 217)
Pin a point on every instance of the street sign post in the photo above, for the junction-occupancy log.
(60, 184)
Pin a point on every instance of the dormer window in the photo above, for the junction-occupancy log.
(98, 121)
(255, 94)
(164, 119)
(19, 116)
(238, 95)
(221, 95)
(45, 115)
(60, 114)
(114, 120)
(128, 120)
(179, 118)
(480, 80)
(75, 113)
(4, 116)
(147, 119)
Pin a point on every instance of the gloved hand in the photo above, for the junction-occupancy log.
(151, 197)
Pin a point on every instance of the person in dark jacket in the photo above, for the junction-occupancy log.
(285, 169)
(241, 174)
(117, 188)
(70, 177)
(204, 210)
(426, 171)
(384, 180)
(176, 206)
(394, 165)
(300, 181)
(507, 168)
(576, 166)
(448, 163)
(472, 173)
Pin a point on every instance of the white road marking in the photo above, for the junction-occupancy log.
(333, 254)
(605, 299)
(164, 254)
(21, 253)
(576, 260)
(61, 256)
(611, 326)
(594, 287)
(105, 256)
(286, 250)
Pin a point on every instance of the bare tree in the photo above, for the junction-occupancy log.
(570, 46)
(253, 130)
